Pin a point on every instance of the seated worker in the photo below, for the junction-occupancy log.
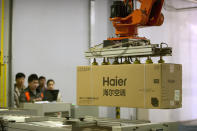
(18, 88)
(42, 84)
(32, 93)
(50, 86)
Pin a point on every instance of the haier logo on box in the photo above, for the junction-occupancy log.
(114, 81)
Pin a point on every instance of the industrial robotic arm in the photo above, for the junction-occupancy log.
(126, 19)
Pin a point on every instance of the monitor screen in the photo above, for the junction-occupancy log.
(50, 95)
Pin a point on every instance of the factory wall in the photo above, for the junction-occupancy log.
(179, 31)
(49, 38)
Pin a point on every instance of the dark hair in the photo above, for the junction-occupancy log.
(50, 81)
(32, 77)
(20, 75)
(41, 77)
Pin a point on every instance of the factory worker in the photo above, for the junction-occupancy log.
(42, 84)
(32, 93)
(18, 88)
(51, 86)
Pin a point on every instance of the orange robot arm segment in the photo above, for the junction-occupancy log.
(149, 14)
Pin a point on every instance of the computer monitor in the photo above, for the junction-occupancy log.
(50, 95)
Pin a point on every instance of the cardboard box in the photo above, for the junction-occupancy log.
(151, 86)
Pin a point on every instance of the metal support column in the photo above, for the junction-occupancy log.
(4, 51)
